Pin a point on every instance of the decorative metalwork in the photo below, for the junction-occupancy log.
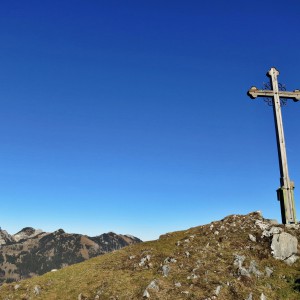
(269, 100)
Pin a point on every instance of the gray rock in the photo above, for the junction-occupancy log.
(170, 260)
(269, 271)
(153, 286)
(218, 289)
(263, 297)
(292, 259)
(271, 232)
(262, 225)
(177, 284)
(249, 297)
(253, 269)
(252, 238)
(284, 245)
(244, 272)
(166, 270)
(238, 260)
(144, 260)
(37, 290)
(146, 294)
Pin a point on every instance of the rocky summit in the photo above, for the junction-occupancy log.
(33, 252)
(241, 257)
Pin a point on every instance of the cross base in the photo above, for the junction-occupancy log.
(286, 198)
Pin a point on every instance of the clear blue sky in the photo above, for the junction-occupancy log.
(132, 116)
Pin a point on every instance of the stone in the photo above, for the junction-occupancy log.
(144, 260)
(263, 297)
(146, 294)
(271, 232)
(153, 286)
(170, 260)
(253, 269)
(252, 238)
(284, 245)
(81, 297)
(218, 289)
(292, 259)
(165, 270)
(244, 272)
(177, 284)
(37, 290)
(268, 271)
(249, 297)
(16, 287)
(263, 226)
(238, 260)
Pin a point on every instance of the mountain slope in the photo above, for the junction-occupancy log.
(33, 252)
(229, 259)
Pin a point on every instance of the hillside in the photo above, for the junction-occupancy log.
(33, 252)
(240, 257)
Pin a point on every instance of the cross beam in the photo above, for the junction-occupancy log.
(285, 194)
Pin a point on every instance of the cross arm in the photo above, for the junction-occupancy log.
(255, 92)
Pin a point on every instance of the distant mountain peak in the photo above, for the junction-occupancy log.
(33, 252)
(25, 233)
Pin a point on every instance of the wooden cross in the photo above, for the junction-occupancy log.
(285, 194)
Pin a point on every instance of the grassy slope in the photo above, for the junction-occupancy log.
(205, 253)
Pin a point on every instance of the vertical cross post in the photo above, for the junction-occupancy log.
(285, 194)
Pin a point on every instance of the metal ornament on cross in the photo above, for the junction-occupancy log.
(285, 194)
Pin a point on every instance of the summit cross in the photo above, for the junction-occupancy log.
(285, 194)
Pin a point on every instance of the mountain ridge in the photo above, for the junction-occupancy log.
(32, 252)
(241, 257)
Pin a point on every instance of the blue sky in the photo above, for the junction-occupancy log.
(132, 116)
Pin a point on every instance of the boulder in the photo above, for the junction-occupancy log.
(284, 246)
